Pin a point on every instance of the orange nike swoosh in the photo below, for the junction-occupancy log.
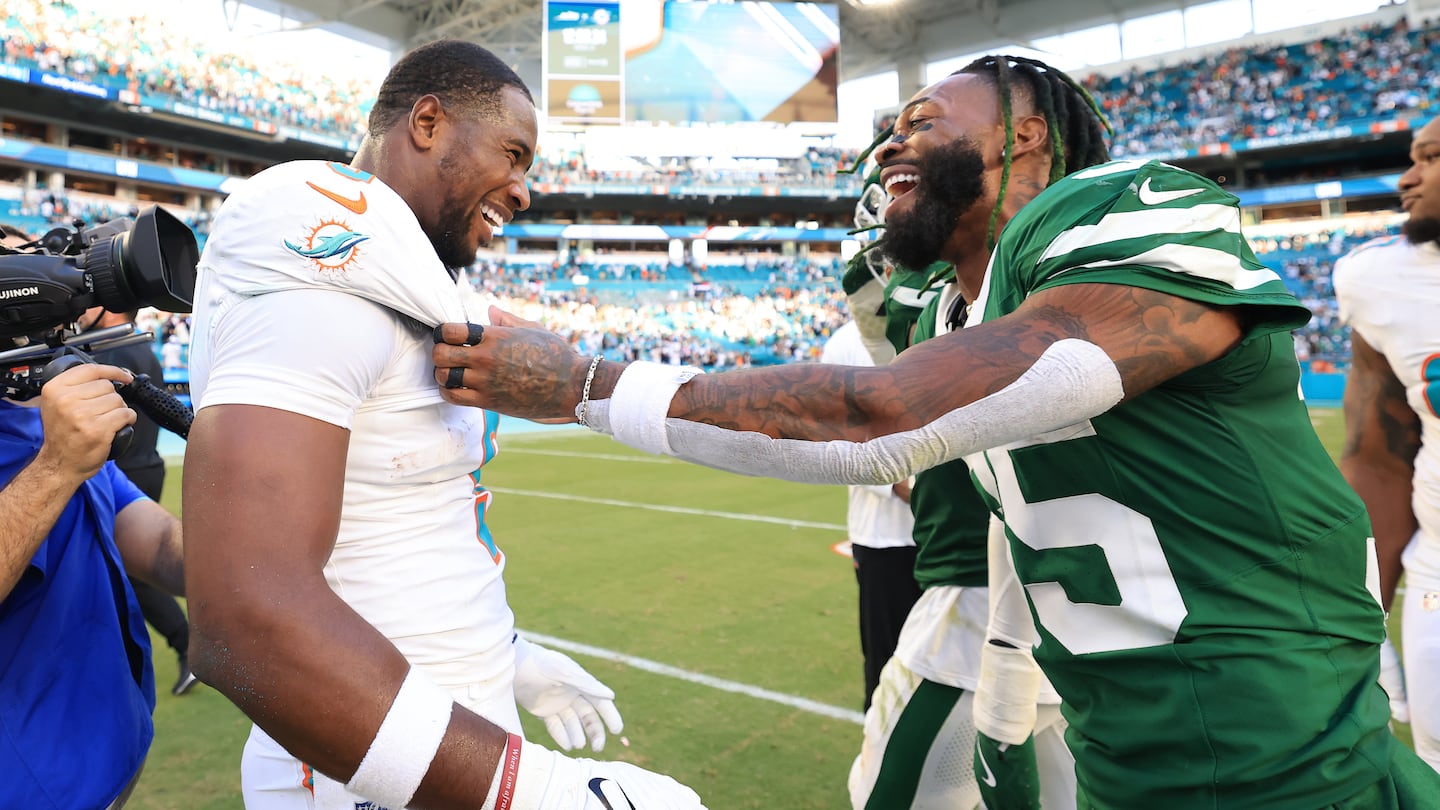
(358, 206)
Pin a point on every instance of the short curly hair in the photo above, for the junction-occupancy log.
(463, 75)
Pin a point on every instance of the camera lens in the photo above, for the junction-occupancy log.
(151, 264)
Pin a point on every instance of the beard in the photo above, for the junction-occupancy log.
(448, 234)
(952, 180)
(1419, 230)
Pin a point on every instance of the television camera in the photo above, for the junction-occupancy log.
(45, 285)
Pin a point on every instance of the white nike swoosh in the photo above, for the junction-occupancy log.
(1150, 196)
(989, 779)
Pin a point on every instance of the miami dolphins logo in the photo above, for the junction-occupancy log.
(330, 246)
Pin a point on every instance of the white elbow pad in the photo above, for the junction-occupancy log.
(1073, 380)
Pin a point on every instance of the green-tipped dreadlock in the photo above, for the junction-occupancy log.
(880, 137)
(1077, 125)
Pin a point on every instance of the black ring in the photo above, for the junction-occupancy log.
(455, 378)
(474, 333)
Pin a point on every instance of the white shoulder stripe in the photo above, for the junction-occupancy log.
(1202, 262)
(1150, 222)
(1113, 167)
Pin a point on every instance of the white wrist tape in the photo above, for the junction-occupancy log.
(1006, 698)
(635, 412)
(408, 738)
(1072, 381)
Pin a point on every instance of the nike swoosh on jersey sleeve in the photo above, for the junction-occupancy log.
(1189, 225)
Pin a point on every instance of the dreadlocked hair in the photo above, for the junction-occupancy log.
(1077, 125)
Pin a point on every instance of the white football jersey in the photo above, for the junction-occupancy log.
(1389, 291)
(296, 308)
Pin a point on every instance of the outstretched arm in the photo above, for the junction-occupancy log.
(1099, 343)
(1382, 437)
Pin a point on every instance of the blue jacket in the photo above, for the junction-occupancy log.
(76, 688)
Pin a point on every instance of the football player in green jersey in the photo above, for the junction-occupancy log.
(919, 748)
(1126, 393)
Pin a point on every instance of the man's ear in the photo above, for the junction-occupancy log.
(1032, 132)
(424, 121)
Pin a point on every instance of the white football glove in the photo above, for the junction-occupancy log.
(1392, 680)
(542, 779)
(574, 705)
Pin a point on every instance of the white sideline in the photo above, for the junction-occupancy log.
(682, 510)
(803, 704)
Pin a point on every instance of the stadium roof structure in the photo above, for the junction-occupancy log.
(876, 35)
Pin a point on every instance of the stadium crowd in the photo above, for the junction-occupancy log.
(794, 307)
(1362, 75)
(822, 167)
(145, 54)
(1306, 261)
(38, 206)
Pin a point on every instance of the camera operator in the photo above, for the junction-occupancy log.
(142, 464)
(76, 687)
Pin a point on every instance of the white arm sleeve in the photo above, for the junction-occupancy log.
(1072, 381)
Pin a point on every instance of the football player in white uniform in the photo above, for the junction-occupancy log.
(1389, 292)
(345, 590)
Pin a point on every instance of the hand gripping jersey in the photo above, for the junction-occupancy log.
(316, 294)
(1196, 565)
(1389, 292)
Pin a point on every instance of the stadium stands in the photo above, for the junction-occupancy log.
(1359, 79)
(1363, 77)
(143, 56)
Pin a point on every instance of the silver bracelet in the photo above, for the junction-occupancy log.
(585, 394)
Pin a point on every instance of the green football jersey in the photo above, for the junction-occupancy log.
(952, 523)
(1195, 563)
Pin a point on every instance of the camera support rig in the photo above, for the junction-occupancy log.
(25, 370)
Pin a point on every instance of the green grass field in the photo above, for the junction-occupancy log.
(737, 581)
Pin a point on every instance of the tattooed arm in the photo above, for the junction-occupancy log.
(1382, 437)
(1150, 336)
